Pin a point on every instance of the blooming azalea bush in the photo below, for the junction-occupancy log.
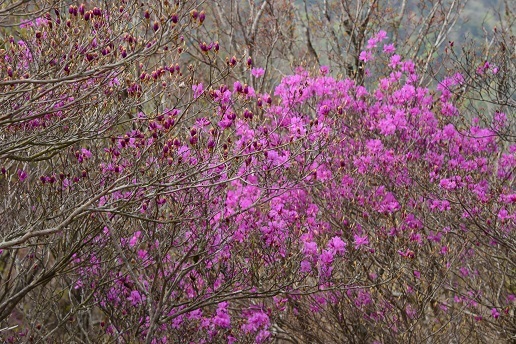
(145, 204)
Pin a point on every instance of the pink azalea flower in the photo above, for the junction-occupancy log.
(257, 72)
(389, 49)
(198, 90)
(360, 241)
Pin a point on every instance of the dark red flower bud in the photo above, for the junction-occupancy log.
(155, 27)
(97, 11)
(202, 17)
(87, 15)
(146, 14)
(249, 61)
(81, 9)
(248, 114)
(174, 18)
(194, 14)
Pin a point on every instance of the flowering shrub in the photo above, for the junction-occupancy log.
(142, 204)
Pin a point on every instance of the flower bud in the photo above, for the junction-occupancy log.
(155, 26)
(146, 14)
(202, 17)
(174, 18)
(248, 114)
(195, 14)
(249, 61)
(238, 87)
(81, 9)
